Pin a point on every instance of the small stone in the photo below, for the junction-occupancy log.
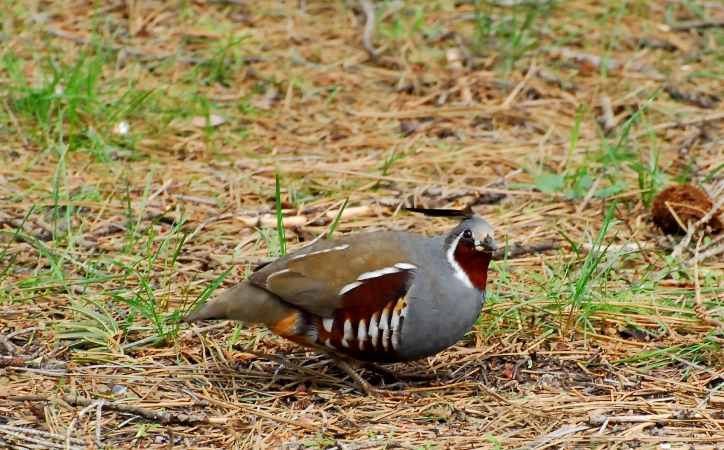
(118, 390)
(122, 128)
(407, 127)
(214, 121)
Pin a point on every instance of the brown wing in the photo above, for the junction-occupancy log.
(368, 326)
(315, 278)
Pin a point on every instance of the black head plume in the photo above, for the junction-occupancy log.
(431, 212)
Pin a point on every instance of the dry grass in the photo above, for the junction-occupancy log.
(120, 206)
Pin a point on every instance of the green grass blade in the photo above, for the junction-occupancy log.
(336, 220)
(280, 219)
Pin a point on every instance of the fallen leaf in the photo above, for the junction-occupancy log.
(7, 391)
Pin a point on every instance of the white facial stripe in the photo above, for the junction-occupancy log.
(349, 287)
(377, 273)
(459, 272)
(326, 250)
(328, 324)
(329, 344)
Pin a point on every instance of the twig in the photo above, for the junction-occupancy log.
(714, 251)
(597, 61)
(247, 261)
(23, 331)
(16, 356)
(510, 3)
(516, 3)
(675, 215)
(160, 190)
(597, 419)
(699, 307)
(680, 123)
(290, 364)
(9, 346)
(191, 198)
(42, 438)
(514, 93)
(162, 417)
(13, 349)
(697, 24)
(679, 249)
(694, 366)
(512, 404)
(34, 432)
(517, 250)
(711, 5)
(565, 430)
(373, 444)
(130, 51)
(208, 221)
(713, 242)
(369, 10)
(97, 405)
(99, 421)
(216, 326)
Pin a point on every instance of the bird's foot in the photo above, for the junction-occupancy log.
(399, 388)
(402, 376)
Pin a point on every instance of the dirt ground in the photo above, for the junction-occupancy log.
(140, 144)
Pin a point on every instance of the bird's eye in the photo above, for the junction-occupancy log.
(467, 234)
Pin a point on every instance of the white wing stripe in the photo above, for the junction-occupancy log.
(326, 250)
(349, 287)
(377, 273)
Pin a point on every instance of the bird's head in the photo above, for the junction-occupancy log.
(468, 247)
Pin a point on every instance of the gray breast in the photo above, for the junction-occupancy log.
(441, 309)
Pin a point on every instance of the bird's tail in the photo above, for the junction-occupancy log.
(247, 303)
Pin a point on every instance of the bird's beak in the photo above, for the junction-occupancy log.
(487, 245)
